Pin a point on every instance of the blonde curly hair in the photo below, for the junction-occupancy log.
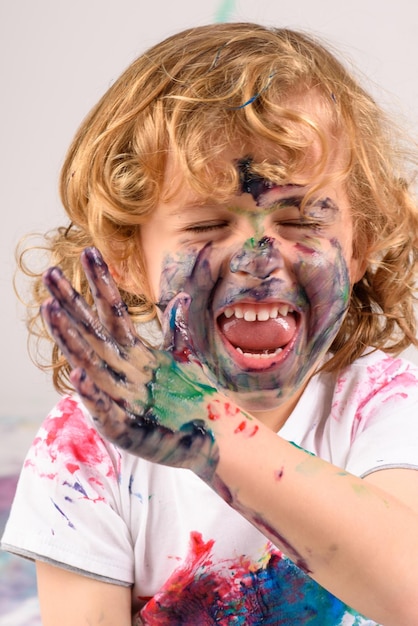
(193, 95)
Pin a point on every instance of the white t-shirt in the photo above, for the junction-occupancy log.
(191, 559)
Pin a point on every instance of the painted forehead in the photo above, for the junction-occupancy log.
(252, 183)
(324, 209)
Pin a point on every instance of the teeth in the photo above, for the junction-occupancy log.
(238, 312)
(263, 315)
(259, 355)
(251, 314)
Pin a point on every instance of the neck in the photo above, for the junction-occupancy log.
(276, 418)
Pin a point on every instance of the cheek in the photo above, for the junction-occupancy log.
(321, 269)
(192, 271)
(175, 274)
(324, 276)
(345, 240)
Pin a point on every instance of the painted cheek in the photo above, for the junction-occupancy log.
(324, 276)
(177, 274)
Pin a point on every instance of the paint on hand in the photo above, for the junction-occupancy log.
(143, 400)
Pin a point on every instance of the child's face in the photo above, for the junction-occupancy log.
(269, 287)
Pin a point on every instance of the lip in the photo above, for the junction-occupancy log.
(262, 362)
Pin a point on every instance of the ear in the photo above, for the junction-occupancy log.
(122, 275)
(358, 268)
(116, 275)
(121, 278)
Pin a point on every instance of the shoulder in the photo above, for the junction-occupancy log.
(68, 440)
(378, 374)
(68, 447)
(376, 388)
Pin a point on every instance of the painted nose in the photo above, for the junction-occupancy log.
(257, 258)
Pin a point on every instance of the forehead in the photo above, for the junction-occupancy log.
(307, 149)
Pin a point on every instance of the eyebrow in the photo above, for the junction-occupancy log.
(294, 200)
(193, 206)
(297, 200)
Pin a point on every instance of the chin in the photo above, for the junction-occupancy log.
(258, 401)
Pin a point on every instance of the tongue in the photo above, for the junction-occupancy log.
(258, 336)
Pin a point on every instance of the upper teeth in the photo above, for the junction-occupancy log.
(251, 314)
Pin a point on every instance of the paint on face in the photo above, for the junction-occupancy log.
(250, 182)
(287, 311)
(257, 258)
(271, 591)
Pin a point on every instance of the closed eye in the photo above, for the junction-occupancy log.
(206, 227)
(299, 224)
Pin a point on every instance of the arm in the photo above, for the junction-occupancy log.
(69, 599)
(353, 536)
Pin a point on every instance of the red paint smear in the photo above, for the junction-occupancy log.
(200, 592)
(240, 427)
(231, 410)
(216, 409)
(278, 474)
(72, 467)
(183, 580)
(243, 427)
(94, 480)
(213, 412)
(70, 438)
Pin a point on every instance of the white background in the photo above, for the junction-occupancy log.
(58, 57)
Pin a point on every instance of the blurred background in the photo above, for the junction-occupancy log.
(57, 58)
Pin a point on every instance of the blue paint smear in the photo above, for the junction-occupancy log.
(69, 522)
(77, 487)
(132, 492)
(279, 594)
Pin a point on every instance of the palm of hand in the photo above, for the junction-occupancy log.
(143, 400)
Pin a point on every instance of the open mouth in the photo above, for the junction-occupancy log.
(258, 335)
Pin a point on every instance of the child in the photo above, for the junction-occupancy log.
(256, 467)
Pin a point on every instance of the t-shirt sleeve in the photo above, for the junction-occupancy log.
(385, 425)
(67, 509)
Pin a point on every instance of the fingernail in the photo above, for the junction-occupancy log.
(52, 275)
(93, 255)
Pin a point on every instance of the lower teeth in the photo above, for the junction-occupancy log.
(259, 355)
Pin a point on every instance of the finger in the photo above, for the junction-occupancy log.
(176, 328)
(109, 417)
(111, 309)
(83, 317)
(93, 331)
(77, 350)
(75, 305)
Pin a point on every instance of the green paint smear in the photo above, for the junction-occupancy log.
(361, 490)
(174, 395)
(224, 11)
(303, 449)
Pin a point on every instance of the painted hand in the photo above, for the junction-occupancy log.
(152, 403)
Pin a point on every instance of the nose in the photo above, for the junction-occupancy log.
(257, 258)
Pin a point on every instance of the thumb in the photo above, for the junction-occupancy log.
(176, 328)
